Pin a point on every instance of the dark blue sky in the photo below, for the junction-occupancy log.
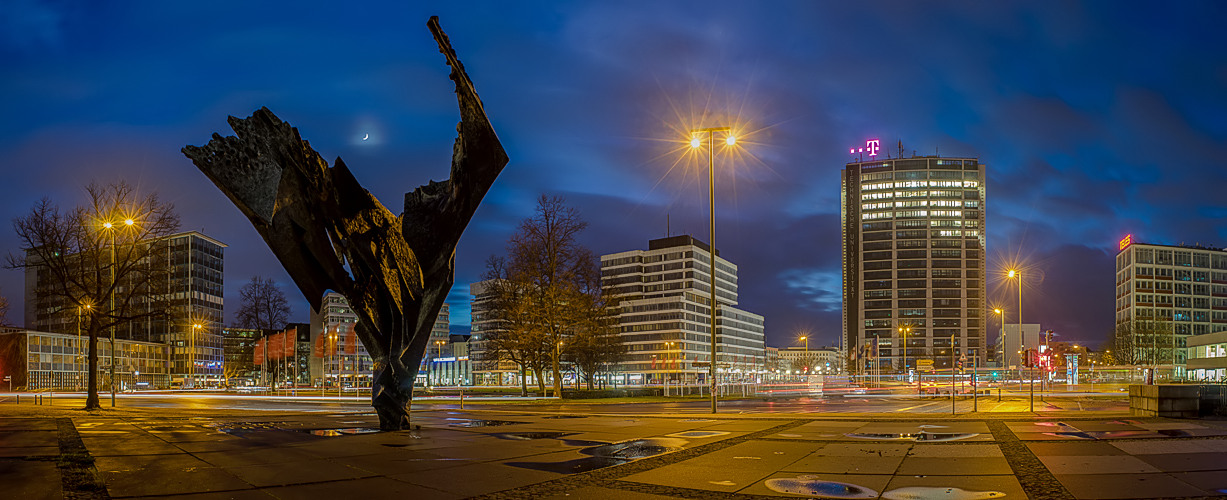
(1096, 120)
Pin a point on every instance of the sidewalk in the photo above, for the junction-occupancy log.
(53, 452)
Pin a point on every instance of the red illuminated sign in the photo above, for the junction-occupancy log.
(872, 147)
(1126, 241)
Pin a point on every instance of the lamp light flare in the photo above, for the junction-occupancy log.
(730, 140)
(696, 142)
(1012, 273)
(106, 225)
(129, 222)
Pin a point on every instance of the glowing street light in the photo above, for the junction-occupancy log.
(695, 143)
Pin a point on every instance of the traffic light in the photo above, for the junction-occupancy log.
(1027, 362)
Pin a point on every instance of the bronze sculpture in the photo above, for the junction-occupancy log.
(317, 218)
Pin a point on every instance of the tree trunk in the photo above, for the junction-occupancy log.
(91, 400)
(523, 381)
(557, 379)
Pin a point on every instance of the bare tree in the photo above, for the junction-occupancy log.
(548, 287)
(106, 257)
(516, 338)
(262, 305)
(595, 342)
(4, 311)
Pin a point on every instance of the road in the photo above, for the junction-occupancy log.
(1009, 402)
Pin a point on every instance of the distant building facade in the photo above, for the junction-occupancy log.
(193, 329)
(57, 361)
(815, 361)
(1207, 357)
(913, 258)
(345, 360)
(1185, 286)
(663, 298)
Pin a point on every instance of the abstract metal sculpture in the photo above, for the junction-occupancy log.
(317, 219)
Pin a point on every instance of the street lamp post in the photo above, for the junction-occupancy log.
(1016, 274)
(696, 142)
(903, 331)
(114, 281)
(191, 341)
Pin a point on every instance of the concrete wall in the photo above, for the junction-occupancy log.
(1179, 401)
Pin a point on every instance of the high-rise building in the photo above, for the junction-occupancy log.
(193, 296)
(1181, 288)
(913, 260)
(663, 296)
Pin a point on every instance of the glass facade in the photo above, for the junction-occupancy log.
(913, 259)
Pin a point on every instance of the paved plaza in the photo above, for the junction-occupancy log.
(146, 453)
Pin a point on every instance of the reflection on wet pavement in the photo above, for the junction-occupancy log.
(348, 431)
(607, 455)
(914, 436)
(697, 434)
(464, 422)
(810, 485)
(937, 492)
(566, 416)
(526, 436)
(242, 428)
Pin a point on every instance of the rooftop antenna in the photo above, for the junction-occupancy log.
(668, 231)
(901, 148)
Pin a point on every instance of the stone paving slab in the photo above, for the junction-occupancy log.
(45, 483)
(144, 475)
(475, 479)
(1118, 464)
(954, 466)
(374, 488)
(1112, 486)
(598, 493)
(1187, 462)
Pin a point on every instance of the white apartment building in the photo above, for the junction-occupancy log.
(664, 319)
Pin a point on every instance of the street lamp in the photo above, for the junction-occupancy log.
(695, 143)
(1016, 274)
(191, 342)
(903, 331)
(111, 227)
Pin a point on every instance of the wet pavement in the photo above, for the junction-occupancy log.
(490, 454)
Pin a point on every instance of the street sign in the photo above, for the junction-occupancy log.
(8, 378)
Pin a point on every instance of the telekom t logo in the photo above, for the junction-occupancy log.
(872, 147)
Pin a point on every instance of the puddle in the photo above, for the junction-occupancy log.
(938, 492)
(464, 422)
(914, 436)
(581, 442)
(811, 486)
(697, 434)
(565, 416)
(527, 436)
(1112, 434)
(346, 431)
(242, 428)
(606, 455)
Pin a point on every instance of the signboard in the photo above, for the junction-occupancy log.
(924, 364)
(872, 147)
(1126, 241)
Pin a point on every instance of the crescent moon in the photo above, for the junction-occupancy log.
(365, 137)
